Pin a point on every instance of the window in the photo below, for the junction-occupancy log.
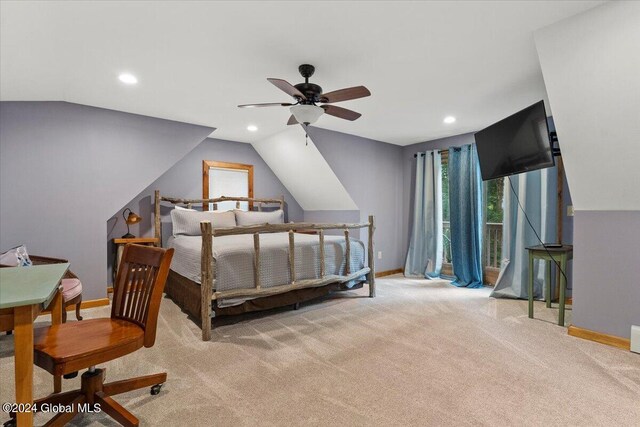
(493, 217)
(227, 179)
(493, 195)
(447, 266)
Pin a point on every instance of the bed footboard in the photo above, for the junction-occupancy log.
(207, 279)
(209, 293)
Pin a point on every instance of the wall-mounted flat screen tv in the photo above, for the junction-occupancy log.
(519, 143)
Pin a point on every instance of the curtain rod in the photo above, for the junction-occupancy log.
(441, 150)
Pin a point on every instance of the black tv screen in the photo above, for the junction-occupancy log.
(519, 143)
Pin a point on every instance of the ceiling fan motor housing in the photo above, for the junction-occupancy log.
(311, 91)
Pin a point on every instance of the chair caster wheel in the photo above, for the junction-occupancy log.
(156, 389)
(11, 423)
(70, 375)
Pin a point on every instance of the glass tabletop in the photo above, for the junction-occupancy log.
(30, 285)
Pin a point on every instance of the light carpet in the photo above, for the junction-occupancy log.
(421, 353)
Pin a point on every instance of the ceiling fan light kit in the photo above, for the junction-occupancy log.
(307, 95)
(306, 114)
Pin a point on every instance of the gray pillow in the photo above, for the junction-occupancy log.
(253, 218)
(187, 222)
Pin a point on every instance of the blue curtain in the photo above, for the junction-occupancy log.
(424, 258)
(465, 207)
(536, 191)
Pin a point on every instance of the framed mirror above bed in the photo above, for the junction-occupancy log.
(226, 179)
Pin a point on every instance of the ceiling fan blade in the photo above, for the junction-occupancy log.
(269, 104)
(287, 87)
(345, 94)
(340, 112)
(292, 120)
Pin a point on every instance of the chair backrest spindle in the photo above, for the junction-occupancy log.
(138, 289)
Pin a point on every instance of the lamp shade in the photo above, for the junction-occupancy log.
(133, 218)
(306, 114)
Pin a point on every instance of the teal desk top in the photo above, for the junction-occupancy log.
(30, 285)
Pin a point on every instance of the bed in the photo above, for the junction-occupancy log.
(230, 270)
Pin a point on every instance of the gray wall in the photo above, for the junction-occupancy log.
(336, 217)
(607, 271)
(372, 173)
(66, 168)
(184, 180)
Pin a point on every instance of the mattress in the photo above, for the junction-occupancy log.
(234, 258)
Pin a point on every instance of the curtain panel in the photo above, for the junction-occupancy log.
(466, 212)
(536, 191)
(424, 257)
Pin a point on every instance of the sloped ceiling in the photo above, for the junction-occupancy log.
(591, 66)
(301, 168)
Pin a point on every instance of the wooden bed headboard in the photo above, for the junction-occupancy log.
(256, 203)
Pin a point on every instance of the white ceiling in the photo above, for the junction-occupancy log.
(196, 61)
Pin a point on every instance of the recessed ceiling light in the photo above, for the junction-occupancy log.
(127, 78)
(252, 128)
(449, 119)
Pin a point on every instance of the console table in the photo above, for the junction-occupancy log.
(560, 254)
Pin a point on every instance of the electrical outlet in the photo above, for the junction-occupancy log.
(379, 254)
(635, 339)
(570, 210)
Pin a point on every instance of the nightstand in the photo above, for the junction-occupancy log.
(121, 242)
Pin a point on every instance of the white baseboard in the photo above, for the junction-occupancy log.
(635, 339)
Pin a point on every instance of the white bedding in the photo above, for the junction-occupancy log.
(234, 258)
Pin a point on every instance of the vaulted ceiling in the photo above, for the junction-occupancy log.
(195, 61)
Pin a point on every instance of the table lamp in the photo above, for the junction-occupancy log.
(132, 218)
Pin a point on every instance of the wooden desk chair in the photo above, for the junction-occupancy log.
(69, 347)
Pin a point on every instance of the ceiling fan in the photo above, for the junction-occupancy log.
(307, 95)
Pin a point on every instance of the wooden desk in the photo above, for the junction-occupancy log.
(24, 293)
(562, 255)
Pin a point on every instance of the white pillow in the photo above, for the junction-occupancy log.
(187, 222)
(253, 218)
(180, 208)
